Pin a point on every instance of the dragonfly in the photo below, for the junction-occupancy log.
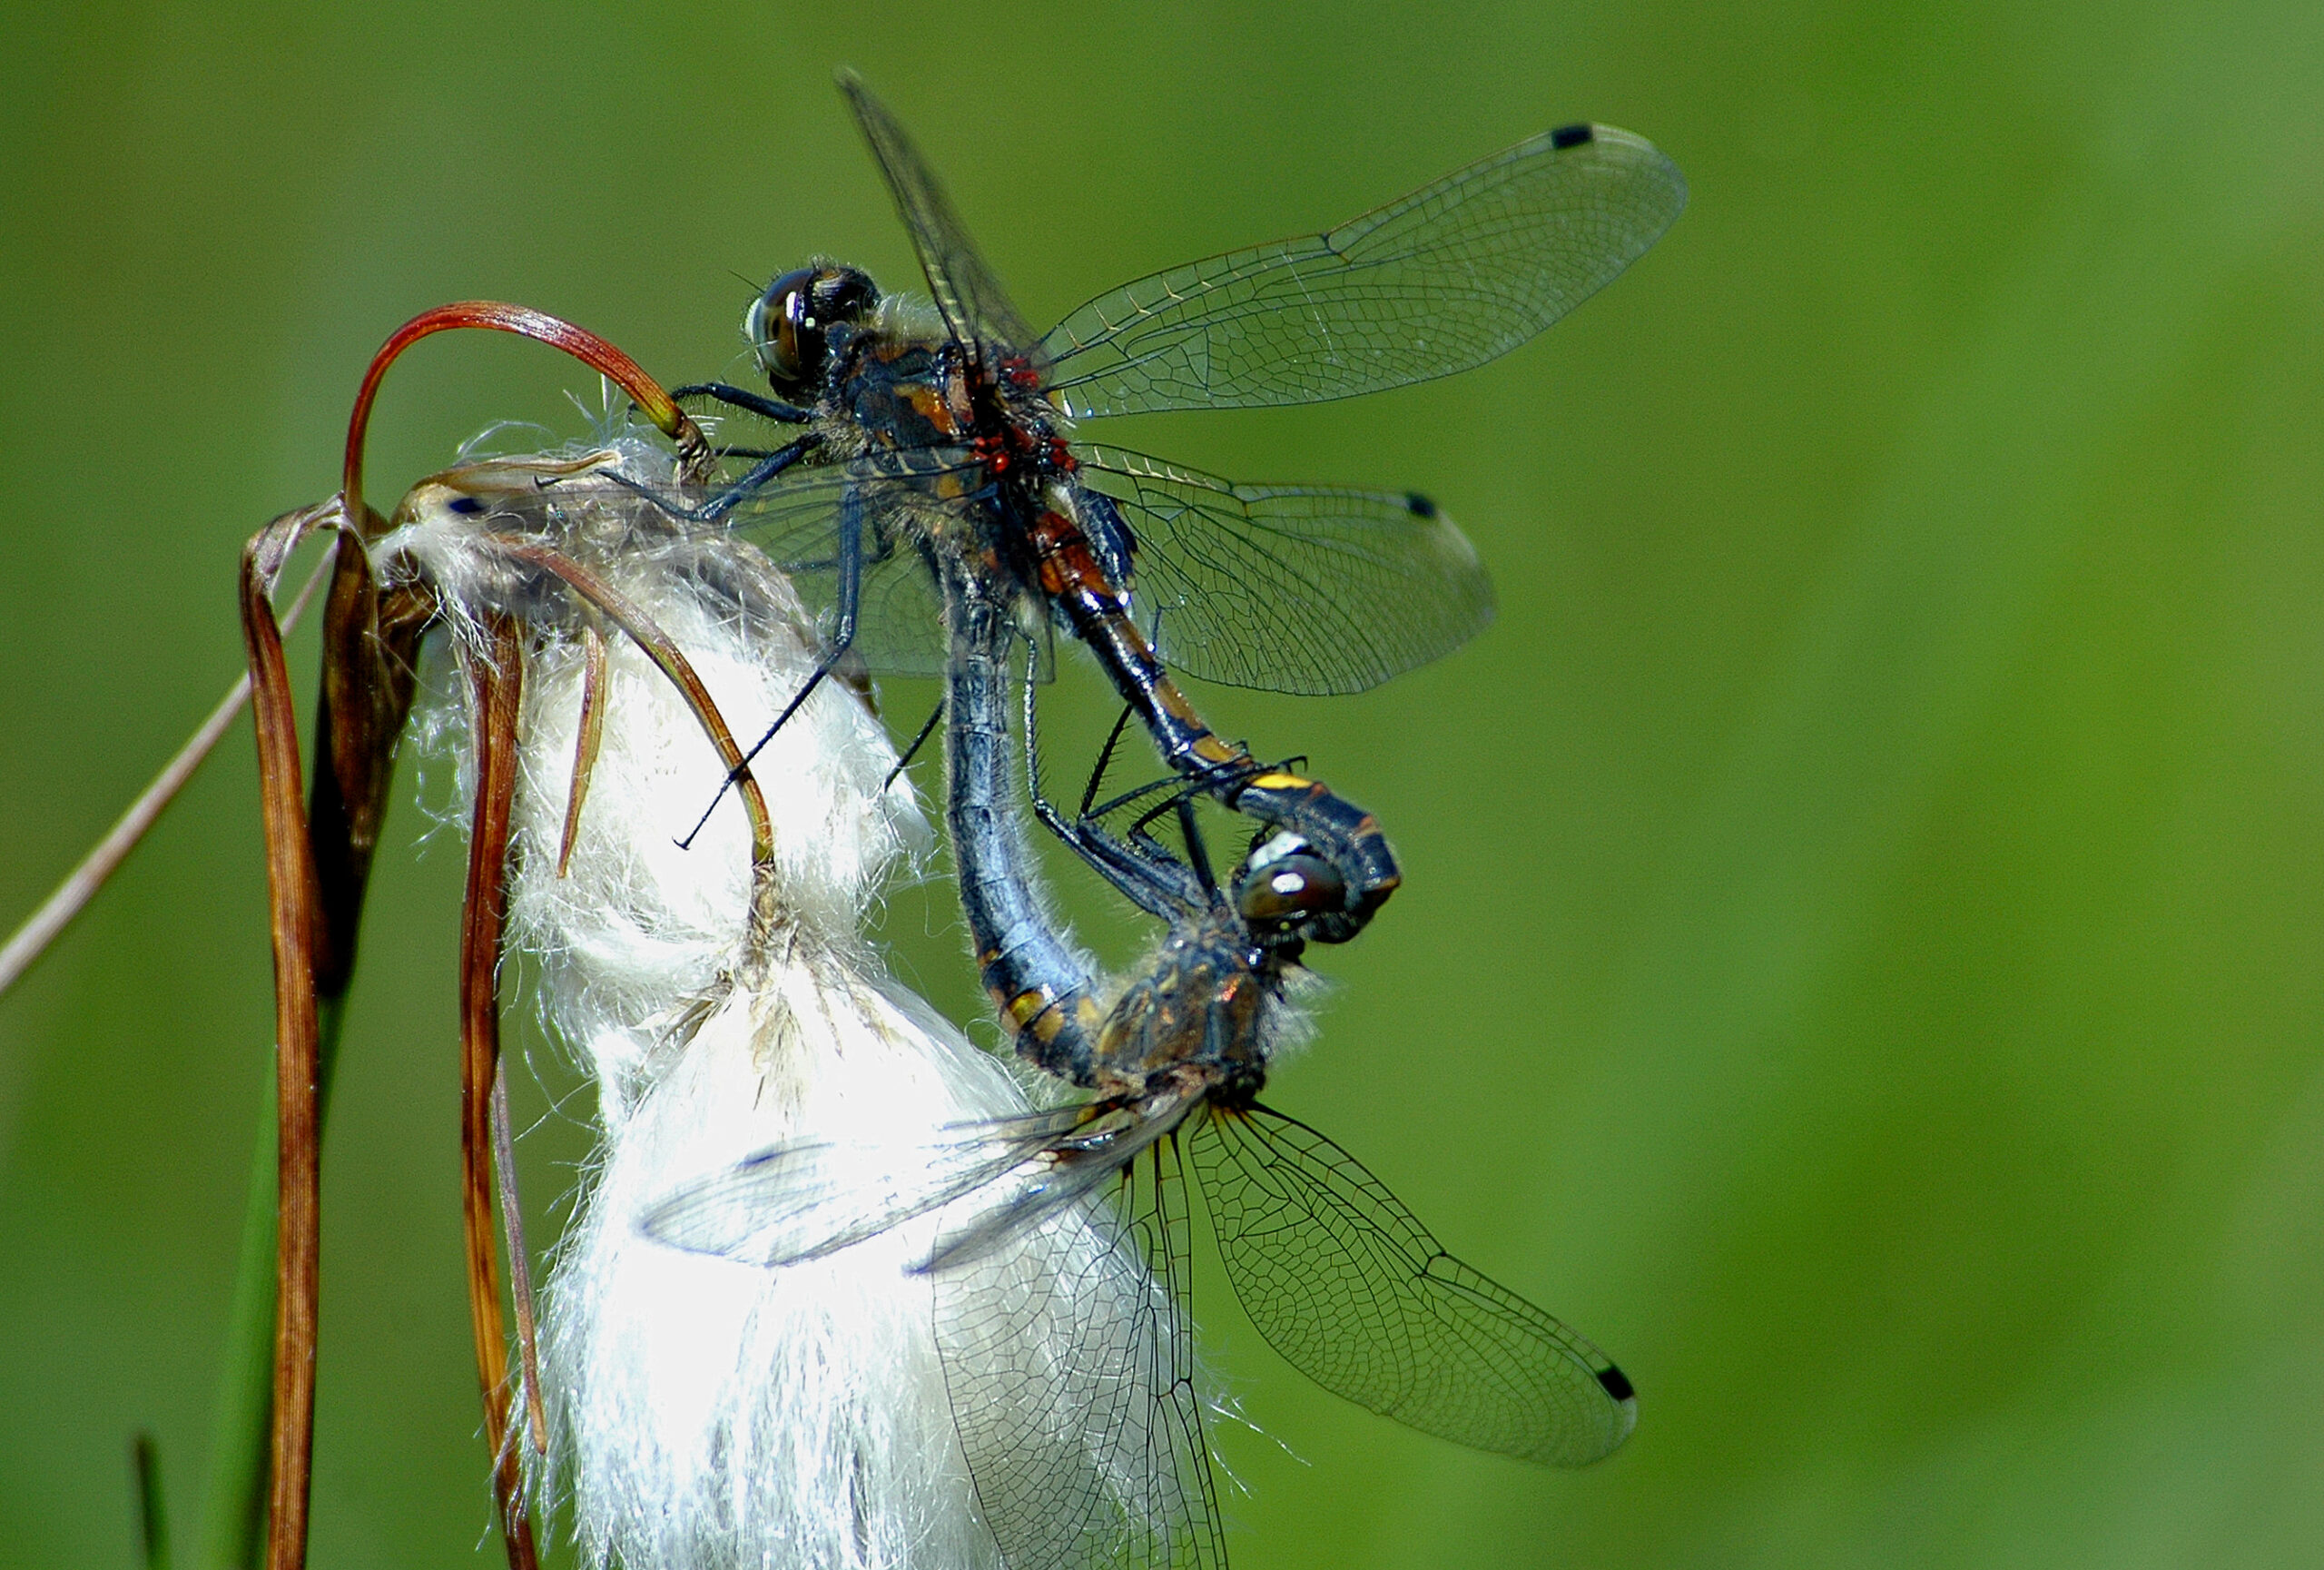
(947, 432)
(1336, 1273)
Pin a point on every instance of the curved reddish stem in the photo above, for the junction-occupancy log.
(498, 316)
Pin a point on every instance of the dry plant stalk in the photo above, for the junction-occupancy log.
(319, 858)
(496, 682)
(295, 915)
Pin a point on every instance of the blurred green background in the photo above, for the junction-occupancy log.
(1859, 959)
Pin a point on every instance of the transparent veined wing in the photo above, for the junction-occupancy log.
(805, 1200)
(1108, 1280)
(974, 306)
(1068, 1168)
(1346, 1284)
(997, 1180)
(1457, 272)
(1293, 589)
(794, 520)
(1060, 1316)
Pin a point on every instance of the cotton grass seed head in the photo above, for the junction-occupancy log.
(703, 1412)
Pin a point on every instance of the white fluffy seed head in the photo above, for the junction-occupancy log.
(633, 901)
(706, 1413)
(715, 1413)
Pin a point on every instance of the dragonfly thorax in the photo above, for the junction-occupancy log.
(1205, 1010)
(893, 392)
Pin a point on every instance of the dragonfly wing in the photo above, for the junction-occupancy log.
(1347, 1285)
(794, 520)
(1451, 276)
(806, 1200)
(974, 306)
(1292, 589)
(1068, 1362)
(900, 621)
(1070, 1169)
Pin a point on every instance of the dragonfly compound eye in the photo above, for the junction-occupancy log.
(790, 322)
(1284, 892)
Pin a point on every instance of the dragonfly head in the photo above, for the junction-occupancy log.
(1284, 885)
(788, 326)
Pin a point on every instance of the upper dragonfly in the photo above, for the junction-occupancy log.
(950, 434)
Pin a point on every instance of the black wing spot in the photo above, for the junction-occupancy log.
(466, 503)
(1617, 1383)
(1566, 136)
(1418, 505)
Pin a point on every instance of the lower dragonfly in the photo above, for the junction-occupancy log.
(1342, 1279)
(947, 435)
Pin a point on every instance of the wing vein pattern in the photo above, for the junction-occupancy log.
(1298, 589)
(1347, 1285)
(1449, 277)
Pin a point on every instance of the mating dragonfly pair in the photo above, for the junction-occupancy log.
(937, 505)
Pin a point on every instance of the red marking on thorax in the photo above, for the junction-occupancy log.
(1004, 440)
(992, 450)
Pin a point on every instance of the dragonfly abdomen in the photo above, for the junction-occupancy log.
(1039, 984)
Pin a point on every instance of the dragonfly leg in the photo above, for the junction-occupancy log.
(755, 404)
(1153, 881)
(848, 582)
(735, 495)
(849, 585)
(1220, 780)
(1105, 757)
(1199, 778)
(917, 742)
(1045, 809)
(1198, 853)
(1182, 791)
